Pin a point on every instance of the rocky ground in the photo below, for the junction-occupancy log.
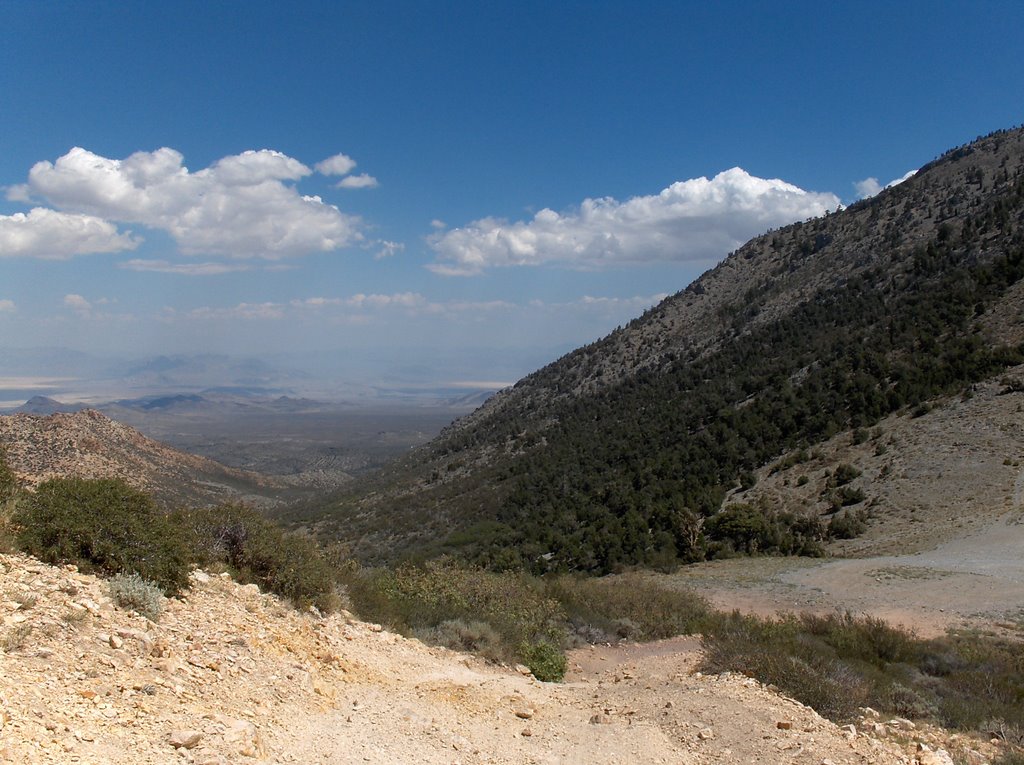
(230, 675)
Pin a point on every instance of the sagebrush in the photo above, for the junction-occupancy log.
(134, 592)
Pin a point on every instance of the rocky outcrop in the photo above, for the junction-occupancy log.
(89, 444)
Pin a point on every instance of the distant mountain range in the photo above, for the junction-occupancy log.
(69, 376)
(625, 451)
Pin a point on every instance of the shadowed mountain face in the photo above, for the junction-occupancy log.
(622, 451)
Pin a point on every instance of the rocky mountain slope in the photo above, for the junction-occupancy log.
(623, 451)
(230, 675)
(88, 444)
(924, 479)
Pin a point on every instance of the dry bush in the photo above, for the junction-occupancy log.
(134, 592)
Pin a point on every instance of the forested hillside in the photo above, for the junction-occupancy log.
(623, 451)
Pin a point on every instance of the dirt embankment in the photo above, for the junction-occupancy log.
(230, 675)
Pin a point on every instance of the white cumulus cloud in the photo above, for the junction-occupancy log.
(242, 206)
(361, 181)
(52, 235)
(694, 220)
(7, 306)
(339, 164)
(869, 187)
(78, 304)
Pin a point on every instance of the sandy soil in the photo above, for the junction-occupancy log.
(976, 581)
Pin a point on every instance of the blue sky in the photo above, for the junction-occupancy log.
(461, 190)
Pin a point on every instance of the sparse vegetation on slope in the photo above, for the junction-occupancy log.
(258, 550)
(108, 527)
(514, 620)
(623, 452)
(87, 444)
(834, 663)
(839, 663)
(8, 481)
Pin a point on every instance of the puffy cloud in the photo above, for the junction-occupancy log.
(240, 207)
(7, 306)
(692, 220)
(870, 186)
(53, 235)
(184, 269)
(632, 305)
(339, 164)
(253, 167)
(867, 188)
(78, 304)
(91, 310)
(361, 181)
(17, 193)
(316, 302)
(387, 249)
(479, 306)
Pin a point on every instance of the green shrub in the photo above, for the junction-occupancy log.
(774, 653)
(750, 530)
(8, 481)
(865, 638)
(848, 495)
(906, 702)
(631, 605)
(134, 592)
(844, 474)
(9, 492)
(259, 551)
(744, 527)
(545, 660)
(418, 600)
(920, 410)
(102, 525)
(838, 662)
(846, 525)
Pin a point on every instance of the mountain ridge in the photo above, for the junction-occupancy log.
(88, 444)
(805, 331)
